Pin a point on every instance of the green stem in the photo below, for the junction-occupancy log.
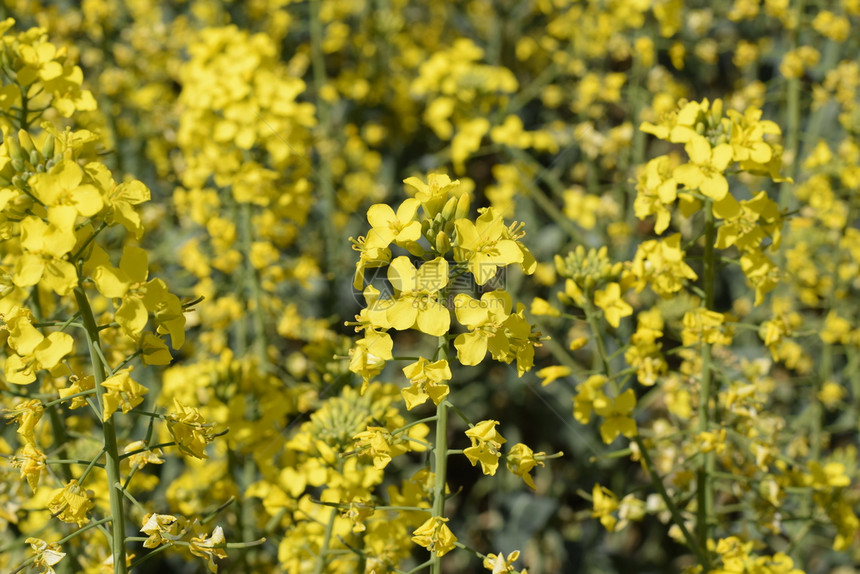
(253, 286)
(319, 566)
(657, 481)
(602, 355)
(440, 469)
(117, 508)
(699, 549)
(793, 119)
(328, 200)
(704, 491)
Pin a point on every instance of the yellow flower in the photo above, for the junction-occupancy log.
(26, 414)
(62, 185)
(71, 503)
(33, 351)
(367, 356)
(123, 392)
(705, 170)
(704, 326)
(374, 442)
(657, 190)
(435, 536)
(484, 319)
(521, 460)
(46, 555)
(614, 307)
(190, 430)
(140, 297)
(434, 194)
(486, 445)
(45, 247)
(401, 228)
(616, 415)
(208, 547)
(498, 564)
(549, 374)
(541, 307)
(161, 529)
(77, 385)
(749, 224)
(417, 291)
(31, 461)
(660, 264)
(587, 393)
(604, 503)
(426, 380)
(487, 245)
(143, 455)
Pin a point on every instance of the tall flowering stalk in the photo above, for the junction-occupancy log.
(63, 213)
(447, 276)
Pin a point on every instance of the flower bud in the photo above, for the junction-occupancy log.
(450, 207)
(443, 243)
(462, 207)
(13, 148)
(48, 147)
(25, 141)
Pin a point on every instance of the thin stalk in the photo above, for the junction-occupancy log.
(793, 116)
(657, 481)
(697, 548)
(117, 508)
(440, 469)
(328, 198)
(704, 490)
(319, 565)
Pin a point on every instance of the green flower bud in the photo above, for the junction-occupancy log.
(25, 141)
(450, 207)
(462, 207)
(443, 243)
(48, 147)
(13, 148)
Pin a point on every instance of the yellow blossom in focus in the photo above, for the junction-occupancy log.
(71, 503)
(486, 445)
(122, 392)
(46, 555)
(435, 536)
(499, 564)
(206, 547)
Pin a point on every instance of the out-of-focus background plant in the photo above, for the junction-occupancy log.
(193, 199)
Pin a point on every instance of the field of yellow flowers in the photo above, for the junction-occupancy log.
(416, 286)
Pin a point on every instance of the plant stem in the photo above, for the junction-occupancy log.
(117, 508)
(440, 469)
(319, 566)
(704, 491)
(793, 119)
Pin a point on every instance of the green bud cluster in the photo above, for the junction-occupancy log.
(440, 229)
(589, 269)
(27, 160)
